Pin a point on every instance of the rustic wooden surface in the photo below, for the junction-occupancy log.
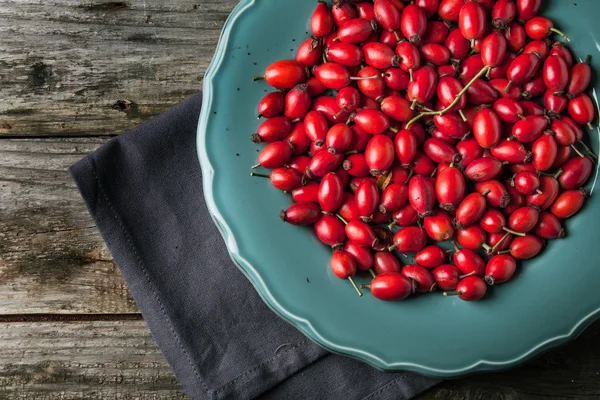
(72, 74)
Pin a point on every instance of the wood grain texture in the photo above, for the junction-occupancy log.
(120, 360)
(84, 70)
(83, 360)
(52, 258)
(75, 68)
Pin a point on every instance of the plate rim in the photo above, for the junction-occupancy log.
(302, 323)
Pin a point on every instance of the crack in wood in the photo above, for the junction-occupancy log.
(70, 317)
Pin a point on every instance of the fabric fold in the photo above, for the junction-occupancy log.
(144, 190)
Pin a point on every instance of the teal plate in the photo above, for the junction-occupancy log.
(551, 300)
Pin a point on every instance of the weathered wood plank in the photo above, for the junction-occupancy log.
(52, 258)
(71, 68)
(83, 360)
(119, 359)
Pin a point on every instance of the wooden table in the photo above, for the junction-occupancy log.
(73, 74)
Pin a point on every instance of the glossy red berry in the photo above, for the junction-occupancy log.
(526, 182)
(346, 54)
(355, 30)
(541, 47)
(487, 128)
(405, 216)
(469, 262)
(450, 188)
(385, 262)
(549, 227)
(396, 78)
(286, 179)
(413, 23)
(272, 130)
(470, 210)
(421, 195)
(523, 68)
(301, 214)
(548, 191)
(575, 173)
(297, 102)
(568, 203)
(540, 28)
(431, 257)
(438, 226)
(483, 169)
(581, 109)
(363, 256)
(422, 277)
(515, 36)
(361, 234)
(523, 219)
(492, 221)
(503, 13)
(331, 192)
(472, 237)
(348, 209)
(526, 247)
(356, 165)
(446, 276)
(342, 12)
(387, 15)
(275, 155)
(493, 49)
(391, 286)
(458, 46)
(472, 20)
(338, 138)
(310, 51)
(579, 78)
(342, 264)
(322, 163)
(316, 127)
(397, 108)
(469, 151)
(472, 288)
(423, 86)
(306, 194)
(435, 54)
(410, 239)
(449, 10)
(544, 151)
(367, 199)
(330, 230)
(321, 22)
(511, 151)
(527, 9)
(556, 73)
(436, 31)
(500, 269)
(271, 105)
(393, 197)
(285, 74)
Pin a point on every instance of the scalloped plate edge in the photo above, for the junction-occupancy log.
(303, 324)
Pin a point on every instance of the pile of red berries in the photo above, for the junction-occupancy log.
(451, 119)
